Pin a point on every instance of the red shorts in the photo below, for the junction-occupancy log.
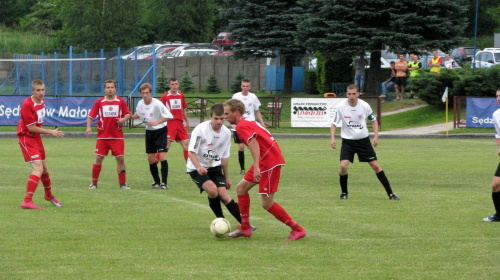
(176, 131)
(269, 180)
(117, 147)
(32, 148)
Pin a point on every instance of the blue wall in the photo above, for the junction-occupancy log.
(275, 78)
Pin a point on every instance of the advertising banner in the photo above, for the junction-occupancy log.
(313, 112)
(479, 112)
(59, 111)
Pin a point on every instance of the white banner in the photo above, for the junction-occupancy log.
(314, 112)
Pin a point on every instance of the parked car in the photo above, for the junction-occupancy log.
(487, 58)
(130, 53)
(224, 53)
(462, 54)
(165, 48)
(223, 41)
(193, 52)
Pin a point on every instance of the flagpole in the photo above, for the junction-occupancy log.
(446, 115)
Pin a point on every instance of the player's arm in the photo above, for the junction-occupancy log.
(89, 126)
(124, 119)
(254, 147)
(225, 169)
(162, 120)
(498, 143)
(54, 132)
(259, 117)
(194, 159)
(333, 128)
(184, 113)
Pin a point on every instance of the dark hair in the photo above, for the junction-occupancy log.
(217, 109)
(245, 81)
(173, 79)
(353, 86)
(145, 86)
(110, 82)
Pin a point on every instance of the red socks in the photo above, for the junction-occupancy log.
(31, 187)
(244, 204)
(96, 170)
(283, 216)
(122, 177)
(186, 155)
(46, 185)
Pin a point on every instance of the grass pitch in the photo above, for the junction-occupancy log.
(433, 232)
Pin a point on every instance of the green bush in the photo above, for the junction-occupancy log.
(236, 84)
(212, 86)
(310, 82)
(460, 82)
(162, 81)
(186, 83)
(332, 69)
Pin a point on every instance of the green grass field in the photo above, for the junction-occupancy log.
(433, 232)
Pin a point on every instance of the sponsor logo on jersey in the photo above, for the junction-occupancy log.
(211, 155)
(197, 142)
(110, 111)
(356, 125)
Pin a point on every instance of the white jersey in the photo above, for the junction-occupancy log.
(153, 112)
(251, 102)
(449, 64)
(353, 119)
(210, 147)
(496, 122)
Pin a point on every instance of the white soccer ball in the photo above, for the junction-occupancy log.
(220, 227)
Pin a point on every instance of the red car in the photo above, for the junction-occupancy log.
(223, 41)
(224, 53)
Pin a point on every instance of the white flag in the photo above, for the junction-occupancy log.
(445, 94)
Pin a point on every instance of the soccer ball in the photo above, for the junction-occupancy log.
(220, 227)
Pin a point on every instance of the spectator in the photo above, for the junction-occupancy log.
(449, 63)
(390, 81)
(435, 63)
(400, 81)
(359, 76)
(414, 67)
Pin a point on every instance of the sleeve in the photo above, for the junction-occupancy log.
(227, 150)
(369, 113)
(125, 110)
(195, 141)
(256, 103)
(94, 112)
(27, 114)
(184, 106)
(497, 125)
(336, 118)
(245, 133)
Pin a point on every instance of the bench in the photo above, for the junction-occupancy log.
(273, 113)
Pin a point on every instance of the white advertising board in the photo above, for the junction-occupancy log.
(314, 112)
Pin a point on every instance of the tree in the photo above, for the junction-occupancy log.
(11, 11)
(187, 21)
(265, 27)
(90, 24)
(352, 27)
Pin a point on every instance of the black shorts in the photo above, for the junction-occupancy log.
(156, 141)
(236, 138)
(497, 173)
(400, 81)
(362, 147)
(214, 174)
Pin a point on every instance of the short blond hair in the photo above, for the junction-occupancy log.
(235, 104)
(37, 82)
(145, 86)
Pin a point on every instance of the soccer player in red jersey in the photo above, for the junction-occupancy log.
(265, 171)
(30, 141)
(112, 111)
(175, 102)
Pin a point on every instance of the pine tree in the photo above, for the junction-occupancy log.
(186, 83)
(212, 86)
(236, 84)
(162, 84)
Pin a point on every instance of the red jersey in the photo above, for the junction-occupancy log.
(270, 153)
(31, 113)
(109, 112)
(175, 103)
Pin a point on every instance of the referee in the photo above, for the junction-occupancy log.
(352, 114)
(495, 186)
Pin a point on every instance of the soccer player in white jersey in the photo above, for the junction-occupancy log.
(495, 185)
(252, 105)
(352, 114)
(154, 115)
(207, 164)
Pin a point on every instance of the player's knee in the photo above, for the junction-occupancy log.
(495, 187)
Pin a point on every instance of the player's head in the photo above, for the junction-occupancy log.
(415, 57)
(498, 95)
(174, 84)
(352, 94)
(401, 57)
(447, 56)
(146, 90)
(435, 53)
(217, 116)
(233, 110)
(393, 63)
(110, 87)
(245, 85)
(38, 90)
